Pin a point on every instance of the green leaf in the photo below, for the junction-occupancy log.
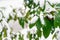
(37, 38)
(29, 4)
(0, 20)
(10, 17)
(0, 35)
(14, 10)
(44, 5)
(57, 20)
(53, 29)
(31, 25)
(5, 32)
(29, 36)
(54, 36)
(21, 37)
(14, 36)
(21, 22)
(34, 5)
(58, 5)
(34, 36)
(46, 31)
(52, 5)
(49, 24)
(33, 12)
(15, 17)
(38, 24)
(27, 14)
(39, 33)
(38, 10)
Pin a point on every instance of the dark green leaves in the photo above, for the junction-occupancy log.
(44, 5)
(15, 17)
(0, 35)
(49, 24)
(46, 31)
(5, 32)
(39, 33)
(14, 10)
(38, 24)
(57, 20)
(52, 5)
(0, 20)
(27, 14)
(31, 25)
(49, 21)
(10, 17)
(21, 22)
(57, 16)
(29, 36)
(28, 4)
(21, 37)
